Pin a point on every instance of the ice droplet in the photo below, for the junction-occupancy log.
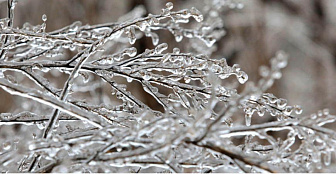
(313, 116)
(7, 145)
(178, 36)
(264, 71)
(242, 77)
(72, 47)
(169, 5)
(235, 67)
(282, 59)
(326, 111)
(155, 38)
(129, 79)
(187, 79)
(297, 109)
(240, 5)
(276, 74)
(44, 17)
(261, 111)
(75, 26)
(288, 110)
(176, 50)
(281, 103)
(146, 76)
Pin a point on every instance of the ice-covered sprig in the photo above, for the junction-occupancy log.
(268, 75)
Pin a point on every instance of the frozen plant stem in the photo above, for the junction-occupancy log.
(10, 11)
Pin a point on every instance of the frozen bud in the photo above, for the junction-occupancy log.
(242, 77)
(169, 5)
(264, 71)
(288, 110)
(196, 14)
(160, 48)
(297, 109)
(185, 13)
(178, 35)
(276, 74)
(273, 112)
(187, 79)
(313, 116)
(248, 118)
(165, 12)
(75, 26)
(44, 17)
(240, 5)
(188, 34)
(176, 50)
(146, 76)
(270, 97)
(281, 103)
(282, 59)
(235, 68)
(326, 111)
(261, 112)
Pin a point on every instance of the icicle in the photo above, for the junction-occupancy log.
(248, 118)
(131, 35)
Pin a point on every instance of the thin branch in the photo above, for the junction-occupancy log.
(46, 100)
